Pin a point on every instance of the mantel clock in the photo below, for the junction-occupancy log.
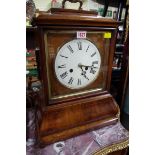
(76, 53)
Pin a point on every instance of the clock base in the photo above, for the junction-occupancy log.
(76, 117)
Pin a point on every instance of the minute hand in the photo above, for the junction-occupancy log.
(83, 72)
(80, 65)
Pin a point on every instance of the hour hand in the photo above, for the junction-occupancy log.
(80, 65)
(83, 72)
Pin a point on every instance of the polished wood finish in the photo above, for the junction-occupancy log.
(76, 117)
(60, 117)
(83, 19)
(71, 11)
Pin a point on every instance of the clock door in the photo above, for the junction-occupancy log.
(76, 67)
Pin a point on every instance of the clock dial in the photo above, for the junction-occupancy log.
(77, 63)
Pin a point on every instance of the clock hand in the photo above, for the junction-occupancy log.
(80, 65)
(83, 72)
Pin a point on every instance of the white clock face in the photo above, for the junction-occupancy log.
(77, 63)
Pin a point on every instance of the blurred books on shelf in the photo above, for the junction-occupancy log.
(31, 64)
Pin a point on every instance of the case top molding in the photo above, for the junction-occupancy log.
(69, 17)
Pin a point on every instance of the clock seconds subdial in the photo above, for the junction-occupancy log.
(77, 63)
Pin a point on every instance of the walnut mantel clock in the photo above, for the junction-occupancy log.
(76, 53)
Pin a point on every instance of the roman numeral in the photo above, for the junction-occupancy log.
(70, 48)
(93, 54)
(79, 45)
(79, 82)
(62, 66)
(95, 62)
(92, 71)
(63, 56)
(87, 48)
(63, 75)
(70, 80)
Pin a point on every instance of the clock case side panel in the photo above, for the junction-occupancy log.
(110, 61)
(42, 69)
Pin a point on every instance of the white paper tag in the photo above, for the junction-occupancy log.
(81, 34)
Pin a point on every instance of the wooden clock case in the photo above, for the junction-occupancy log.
(61, 115)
